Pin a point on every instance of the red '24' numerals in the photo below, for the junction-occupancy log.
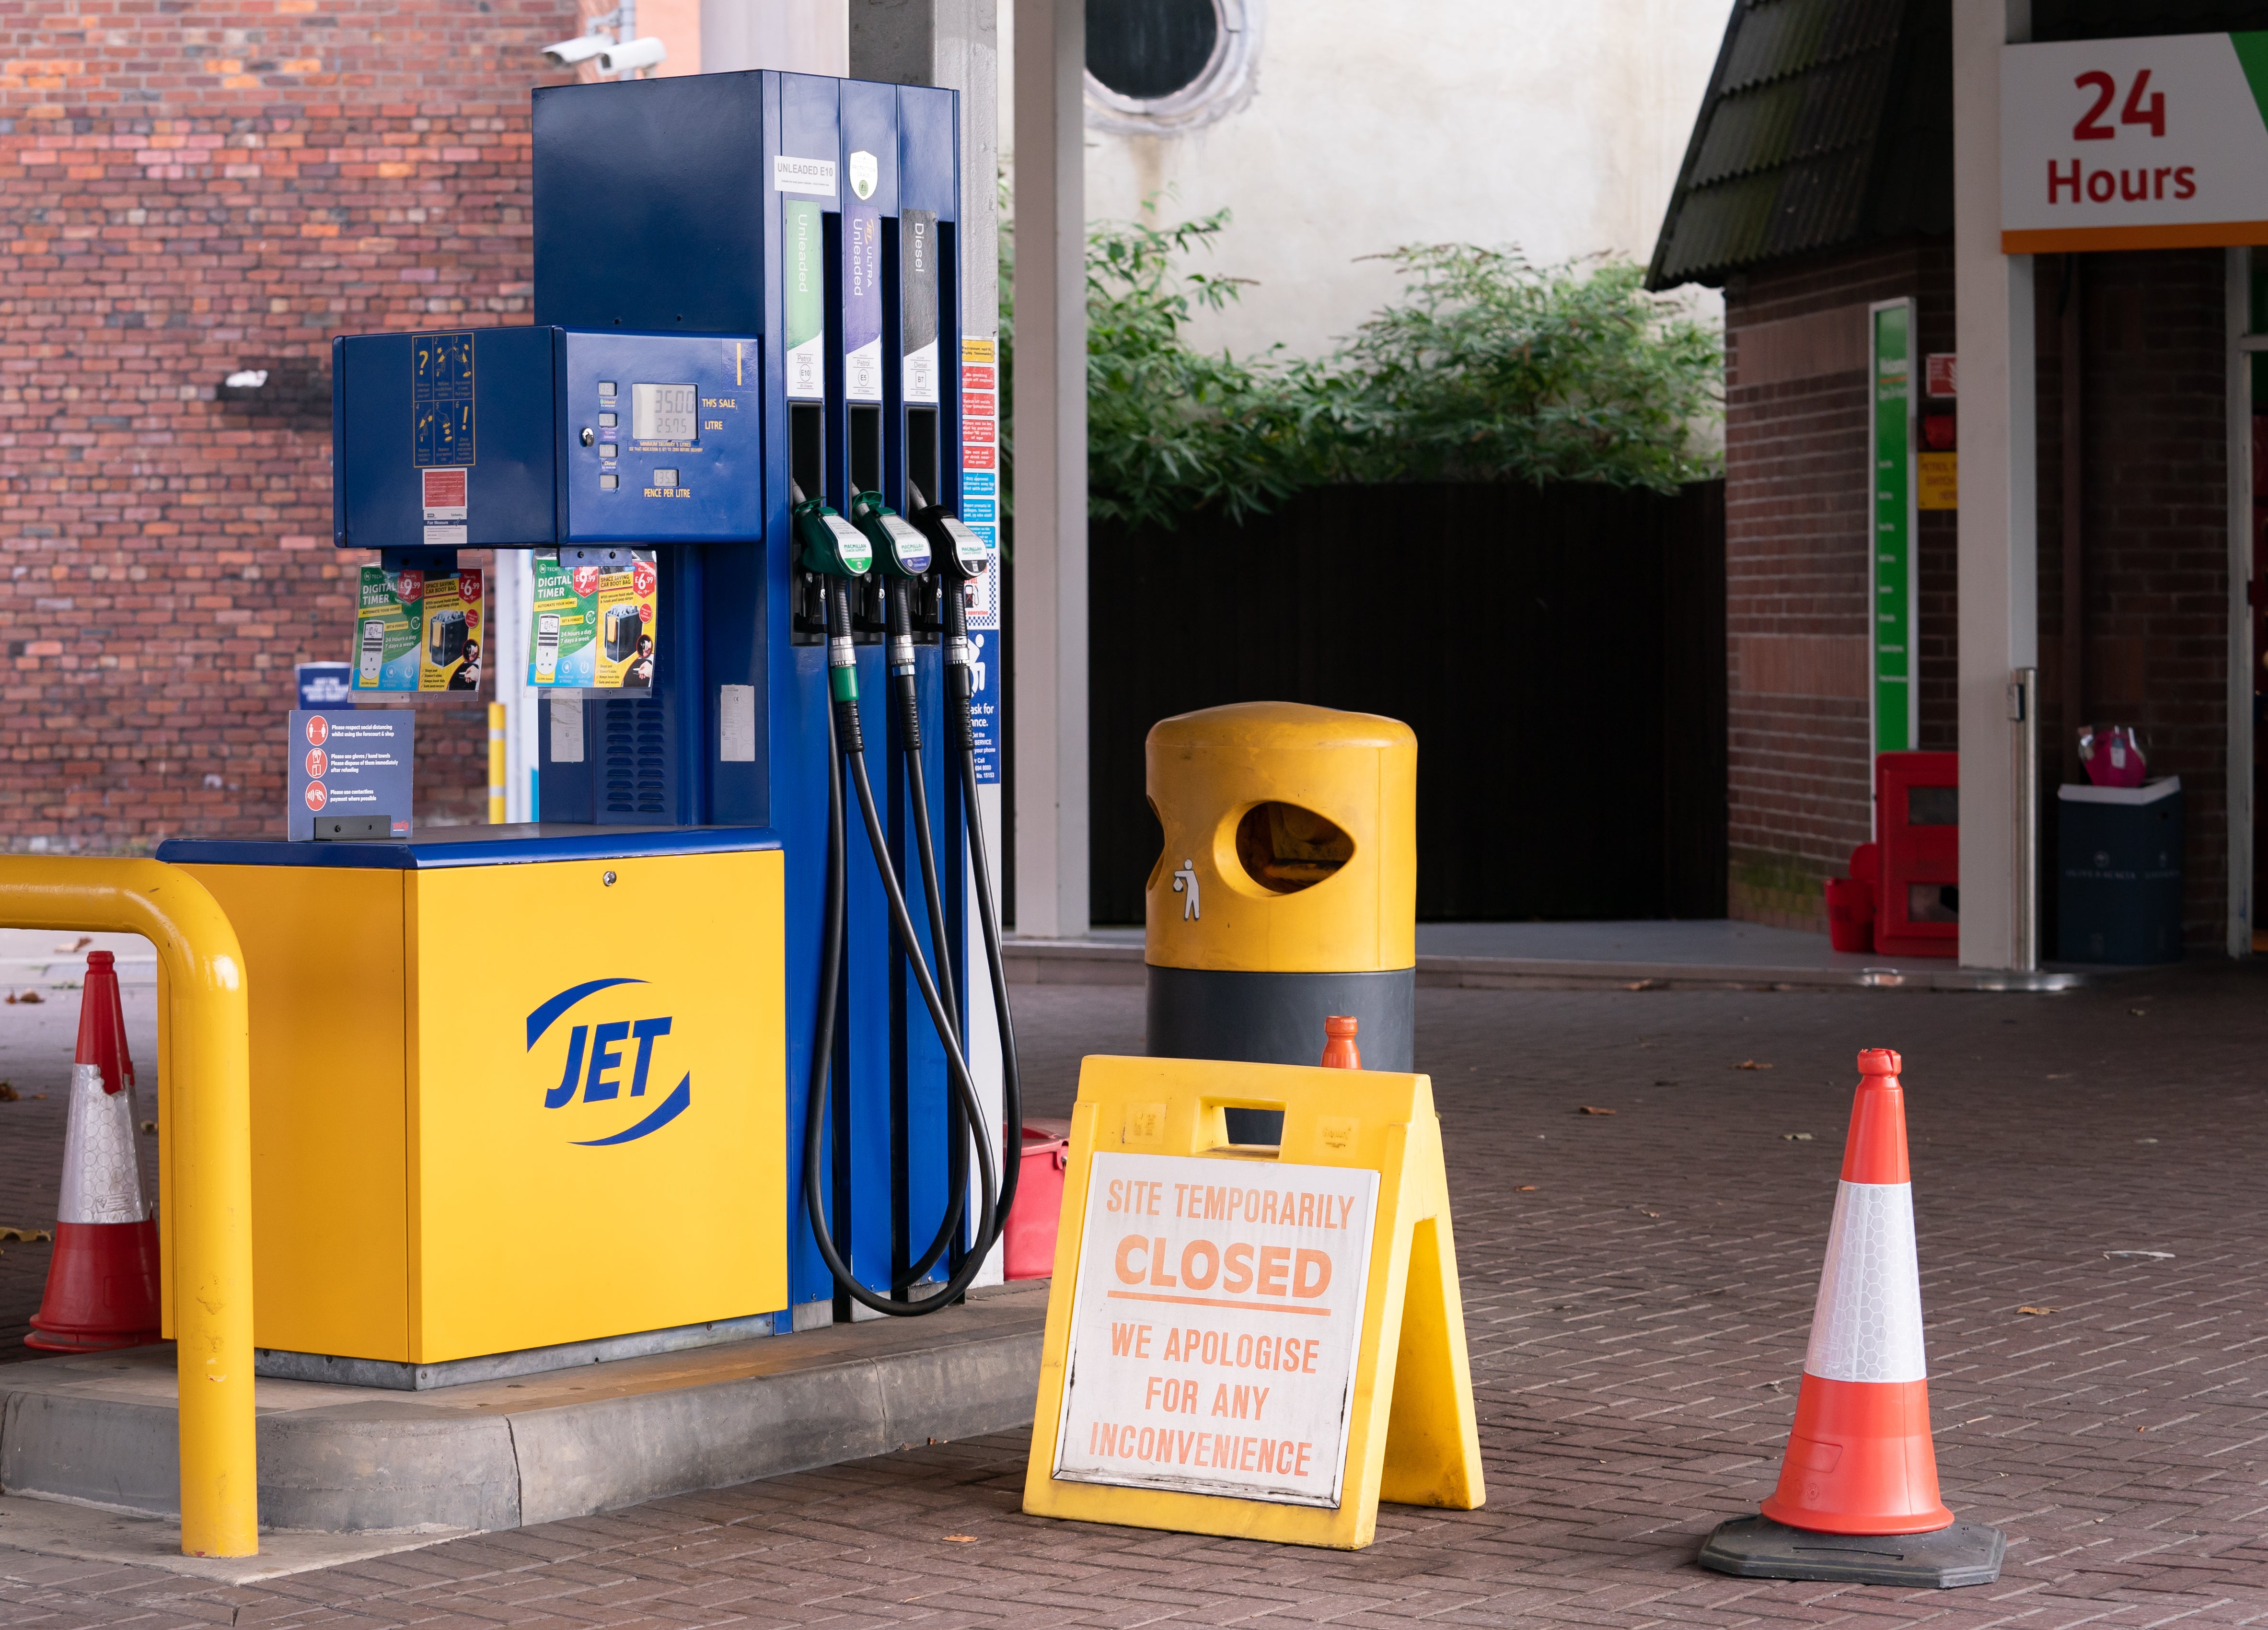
(2091, 128)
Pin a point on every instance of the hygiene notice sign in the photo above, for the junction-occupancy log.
(1216, 1326)
(356, 763)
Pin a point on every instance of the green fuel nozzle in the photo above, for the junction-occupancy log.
(900, 547)
(828, 545)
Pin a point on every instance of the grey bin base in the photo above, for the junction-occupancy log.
(1277, 1018)
(1757, 1547)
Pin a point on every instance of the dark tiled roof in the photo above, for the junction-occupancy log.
(1827, 122)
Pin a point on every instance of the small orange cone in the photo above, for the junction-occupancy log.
(1858, 1498)
(102, 1281)
(1339, 1051)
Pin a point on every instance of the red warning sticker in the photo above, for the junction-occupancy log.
(444, 494)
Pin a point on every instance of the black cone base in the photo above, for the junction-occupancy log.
(1757, 1547)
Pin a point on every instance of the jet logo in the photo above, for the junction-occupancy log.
(608, 1061)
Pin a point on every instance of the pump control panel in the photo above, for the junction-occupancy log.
(533, 437)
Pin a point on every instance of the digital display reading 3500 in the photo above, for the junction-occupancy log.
(663, 413)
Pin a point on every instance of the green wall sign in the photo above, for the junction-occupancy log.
(1896, 702)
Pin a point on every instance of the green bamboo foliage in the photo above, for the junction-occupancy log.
(1486, 368)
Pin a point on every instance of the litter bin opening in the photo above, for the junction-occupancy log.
(1284, 848)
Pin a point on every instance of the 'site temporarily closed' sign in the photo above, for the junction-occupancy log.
(1215, 1327)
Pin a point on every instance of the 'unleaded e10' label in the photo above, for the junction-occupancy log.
(1215, 1324)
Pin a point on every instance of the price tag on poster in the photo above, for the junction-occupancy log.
(1242, 1324)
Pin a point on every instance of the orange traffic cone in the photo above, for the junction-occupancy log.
(102, 1281)
(1339, 1051)
(1858, 1498)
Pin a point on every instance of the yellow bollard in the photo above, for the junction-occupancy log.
(495, 763)
(211, 1106)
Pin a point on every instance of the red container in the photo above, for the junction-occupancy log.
(1851, 914)
(1917, 827)
(1031, 1235)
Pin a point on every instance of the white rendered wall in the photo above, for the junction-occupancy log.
(1557, 128)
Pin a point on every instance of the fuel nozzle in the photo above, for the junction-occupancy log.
(904, 555)
(830, 545)
(839, 553)
(903, 548)
(960, 553)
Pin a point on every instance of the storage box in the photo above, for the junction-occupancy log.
(2118, 851)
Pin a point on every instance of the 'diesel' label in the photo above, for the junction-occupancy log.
(1218, 1311)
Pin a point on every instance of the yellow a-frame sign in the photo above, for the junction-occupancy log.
(1253, 1340)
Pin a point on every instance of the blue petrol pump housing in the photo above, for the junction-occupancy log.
(746, 299)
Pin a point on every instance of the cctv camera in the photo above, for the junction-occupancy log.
(581, 48)
(622, 59)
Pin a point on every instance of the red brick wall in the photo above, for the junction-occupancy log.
(2155, 525)
(1797, 567)
(2154, 528)
(186, 189)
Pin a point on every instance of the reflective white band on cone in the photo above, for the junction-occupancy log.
(1867, 1324)
(102, 1182)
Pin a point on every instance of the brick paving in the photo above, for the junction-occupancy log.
(1637, 1319)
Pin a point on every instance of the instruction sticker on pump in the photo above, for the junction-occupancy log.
(1215, 1324)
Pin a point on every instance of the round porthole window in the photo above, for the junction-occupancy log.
(1160, 67)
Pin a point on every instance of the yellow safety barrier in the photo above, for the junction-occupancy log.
(210, 1210)
(495, 763)
(1246, 1339)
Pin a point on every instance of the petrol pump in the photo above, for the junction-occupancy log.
(690, 1053)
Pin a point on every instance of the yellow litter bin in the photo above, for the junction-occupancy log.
(1287, 889)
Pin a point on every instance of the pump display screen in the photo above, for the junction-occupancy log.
(663, 413)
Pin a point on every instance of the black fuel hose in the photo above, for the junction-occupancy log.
(845, 738)
(904, 686)
(957, 689)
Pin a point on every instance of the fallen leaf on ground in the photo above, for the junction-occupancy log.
(37, 1096)
(1525, 1188)
(149, 1125)
(8, 1095)
(1795, 1137)
(1643, 1211)
(2038, 1312)
(26, 1236)
(29, 998)
(1593, 1109)
(1750, 1064)
(960, 1539)
(2139, 1013)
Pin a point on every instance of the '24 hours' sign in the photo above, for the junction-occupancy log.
(2151, 143)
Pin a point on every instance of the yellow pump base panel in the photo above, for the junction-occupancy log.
(505, 1106)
